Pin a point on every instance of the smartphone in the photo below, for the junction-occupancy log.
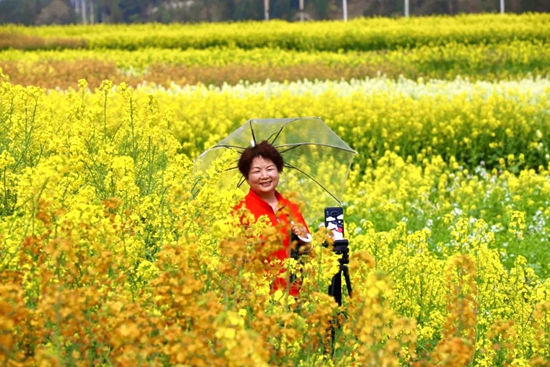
(334, 221)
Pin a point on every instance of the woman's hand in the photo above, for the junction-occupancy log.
(304, 237)
(299, 230)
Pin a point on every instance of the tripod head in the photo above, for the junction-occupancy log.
(340, 247)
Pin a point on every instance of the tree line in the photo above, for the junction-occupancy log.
(36, 12)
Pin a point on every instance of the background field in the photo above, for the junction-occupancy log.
(110, 253)
(477, 47)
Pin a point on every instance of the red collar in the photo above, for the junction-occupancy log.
(253, 199)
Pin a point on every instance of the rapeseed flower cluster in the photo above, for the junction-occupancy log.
(114, 251)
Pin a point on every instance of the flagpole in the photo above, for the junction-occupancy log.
(83, 8)
(501, 6)
(345, 9)
(266, 9)
(406, 8)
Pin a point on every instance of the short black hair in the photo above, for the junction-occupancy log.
(264, 150)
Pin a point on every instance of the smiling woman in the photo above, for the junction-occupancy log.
(261, 165)
(263, 178)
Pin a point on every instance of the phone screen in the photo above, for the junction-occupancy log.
(334, 221)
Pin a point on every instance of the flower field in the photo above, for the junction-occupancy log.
(480, 47)
(111, 253)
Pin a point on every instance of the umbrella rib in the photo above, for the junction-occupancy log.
(241, 181)
(297, 145)
(229, 147)
(252, 131)
(279, 132)
(312, 179)
(276, 136)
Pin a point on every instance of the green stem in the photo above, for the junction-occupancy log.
(104, 116)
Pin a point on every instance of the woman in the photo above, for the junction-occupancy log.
(261, 165)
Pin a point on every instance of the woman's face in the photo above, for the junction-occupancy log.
(263, 176)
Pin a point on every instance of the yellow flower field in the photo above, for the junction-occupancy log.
(219, 66)
(479, 47)
(112, 253)
(360, 34)
(107, 257)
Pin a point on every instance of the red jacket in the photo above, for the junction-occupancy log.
(258, 207)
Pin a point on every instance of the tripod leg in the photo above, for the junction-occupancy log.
(348, 280)
(335, 288)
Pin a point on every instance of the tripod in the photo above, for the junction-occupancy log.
(340, 247)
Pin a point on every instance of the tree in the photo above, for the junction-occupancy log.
(56, 12)
(19, 12)
(249, 10)
(321, 7)
(280, 9)
(134, 11)
(27, 12)
(380, 7)
(110, 11)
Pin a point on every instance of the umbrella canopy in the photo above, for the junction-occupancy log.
(316, 160)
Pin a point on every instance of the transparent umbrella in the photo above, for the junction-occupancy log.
(316, 160)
